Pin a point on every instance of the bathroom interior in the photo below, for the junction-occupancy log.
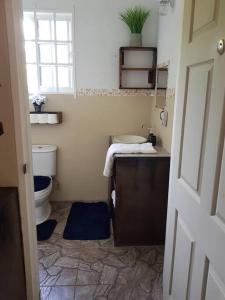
(94, 106)
(101, 118)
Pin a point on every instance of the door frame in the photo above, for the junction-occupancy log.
(171, 213)
(13, 12)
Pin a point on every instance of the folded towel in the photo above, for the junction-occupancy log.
(146, 148)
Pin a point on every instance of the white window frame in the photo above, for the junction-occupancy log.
(54, 41)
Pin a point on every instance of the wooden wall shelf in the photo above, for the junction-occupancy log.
(46, 118)
(150, 81)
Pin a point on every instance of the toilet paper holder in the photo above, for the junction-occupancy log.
(46, 118)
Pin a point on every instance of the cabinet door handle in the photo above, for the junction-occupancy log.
(1, 128)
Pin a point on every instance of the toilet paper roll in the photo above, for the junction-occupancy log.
(52, 119)
(42, 118)
(34, 118)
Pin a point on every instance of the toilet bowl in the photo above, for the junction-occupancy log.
(42, 191)
(44, 167)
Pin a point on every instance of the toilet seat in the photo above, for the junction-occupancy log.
(41, 183)
(42, 187)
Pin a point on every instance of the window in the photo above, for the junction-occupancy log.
(49, 52)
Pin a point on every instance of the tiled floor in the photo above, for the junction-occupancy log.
(86, 270)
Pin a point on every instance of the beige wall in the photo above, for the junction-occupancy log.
(83, 136)
(8, 162)
(88, 121)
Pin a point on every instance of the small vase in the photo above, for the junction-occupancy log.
(136, 40)
(37, 108)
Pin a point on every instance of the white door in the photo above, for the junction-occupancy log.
(195, 244)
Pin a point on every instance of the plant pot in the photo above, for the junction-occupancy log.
(37, 108)
(136, 40)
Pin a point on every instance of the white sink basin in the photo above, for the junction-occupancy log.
(128, 139)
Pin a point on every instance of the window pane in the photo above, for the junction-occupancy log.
(28, 26)
(63, 27)
(46, 30)
(64, 53)
(48, 78)
(62, 30)
(32, 80)
(47, 53)
(64, 77)
(30, 49)
(49, 67)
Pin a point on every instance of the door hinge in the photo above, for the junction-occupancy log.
(24, 168)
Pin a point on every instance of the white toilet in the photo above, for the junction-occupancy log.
(44, 168)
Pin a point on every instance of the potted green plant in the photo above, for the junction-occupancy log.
(135, 19)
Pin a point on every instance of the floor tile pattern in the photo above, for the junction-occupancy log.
(96, 270)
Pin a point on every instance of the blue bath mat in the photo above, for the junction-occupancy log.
(45, 230)
(88, 221)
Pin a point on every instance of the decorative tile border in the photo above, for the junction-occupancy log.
(118, 92)
(114, 92)
(167, 93)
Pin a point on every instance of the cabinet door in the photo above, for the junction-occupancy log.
(141, 205)
(12, 273)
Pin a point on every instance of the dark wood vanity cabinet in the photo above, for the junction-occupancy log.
(141, 187)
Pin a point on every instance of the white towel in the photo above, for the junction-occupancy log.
(113, 196)
(146, 148)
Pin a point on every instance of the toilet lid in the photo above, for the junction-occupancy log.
(41, 183)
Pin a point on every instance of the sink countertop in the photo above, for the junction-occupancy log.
(161, 152)
(128, 139)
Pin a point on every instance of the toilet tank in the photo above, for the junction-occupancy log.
(44, 160)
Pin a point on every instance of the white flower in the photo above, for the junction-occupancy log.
(38, 99)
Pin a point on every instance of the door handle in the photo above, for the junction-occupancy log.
(221, 47)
